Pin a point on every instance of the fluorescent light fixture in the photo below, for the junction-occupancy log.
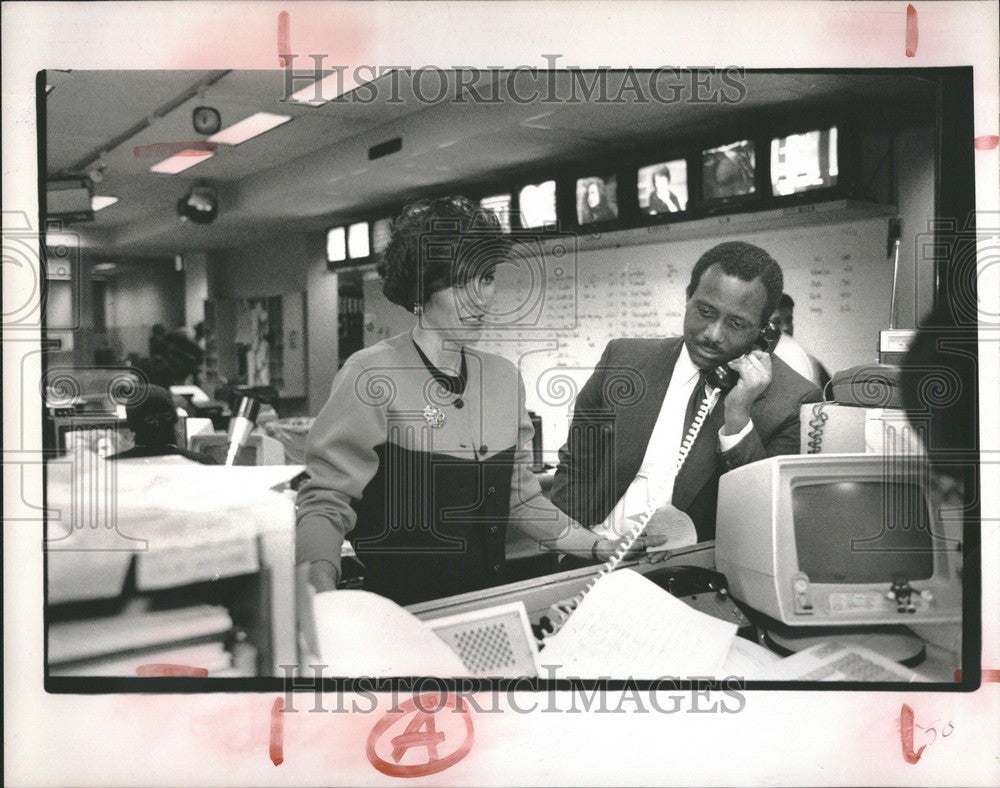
(181, 161)
(98, 202)
(330, 87)
(336, 245)
(105, 268)
(357, 240)
(248, 128)
(48, 88)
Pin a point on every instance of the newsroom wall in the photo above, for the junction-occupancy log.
(291, 263)
(138, 295)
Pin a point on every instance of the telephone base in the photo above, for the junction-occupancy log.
(893, 642)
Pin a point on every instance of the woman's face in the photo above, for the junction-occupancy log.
(593, 195)
(458, 313)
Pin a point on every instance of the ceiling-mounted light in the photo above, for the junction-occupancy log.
(181, 161)
(325, 90)
(200, 205)
(97, 202)
(250, 127)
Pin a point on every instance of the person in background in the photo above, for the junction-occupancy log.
(632, 415)
(939, 385)
(421, 457)
(594, 206)
(153, 421)
(788, 348)
(662, 199)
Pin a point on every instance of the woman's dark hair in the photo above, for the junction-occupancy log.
(746, 262)
(436, 244)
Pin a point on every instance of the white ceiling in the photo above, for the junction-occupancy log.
(305, 173)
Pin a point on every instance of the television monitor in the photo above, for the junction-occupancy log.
(336, 245)
(728, 171)
(537, 204)
(381, 232)
(498, 204)
(804, 162)
(662, 188)
(830, 540)
(357, 241)
(596, 199)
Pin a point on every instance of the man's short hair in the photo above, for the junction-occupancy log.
(746, 262)
(786, 302)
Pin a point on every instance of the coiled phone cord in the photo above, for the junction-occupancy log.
(816, 426)
(563, 610)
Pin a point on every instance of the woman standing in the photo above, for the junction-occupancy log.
(419, 457)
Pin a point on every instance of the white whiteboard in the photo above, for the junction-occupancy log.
(838, 275)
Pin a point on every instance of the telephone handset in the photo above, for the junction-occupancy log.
(725, 377)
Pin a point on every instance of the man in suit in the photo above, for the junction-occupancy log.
(635, 410)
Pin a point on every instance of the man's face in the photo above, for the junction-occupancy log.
(783, 319)
(722, 317)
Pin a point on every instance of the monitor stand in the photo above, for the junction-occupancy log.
(894, 642)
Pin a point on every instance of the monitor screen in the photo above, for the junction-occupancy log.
(336, 245)
(596, 199)
(357, 240)
(663, 187)
(898, 543)
(499, 205)
(728, 171)
(537, 202)
(803, 162)
(381, 231)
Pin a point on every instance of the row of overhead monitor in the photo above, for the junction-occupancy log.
(686, 187)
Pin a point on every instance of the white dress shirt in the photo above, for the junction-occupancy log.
(657, 472)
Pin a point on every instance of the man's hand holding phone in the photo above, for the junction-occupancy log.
(754, 370)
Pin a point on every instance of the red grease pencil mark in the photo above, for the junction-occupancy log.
(421, 732)
(906, 735)
(912, 33)
(158, 149)
(284, 40)
(277, 747)
(989, 676)
(987, 142)
(166, 669)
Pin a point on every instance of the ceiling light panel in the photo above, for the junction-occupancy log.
(181, 161)
(248, 128)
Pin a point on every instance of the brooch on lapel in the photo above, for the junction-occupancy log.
(434, 416)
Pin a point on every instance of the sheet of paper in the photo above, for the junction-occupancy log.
(627, 626)
(364, 634)
(836, 661)
(666, 521)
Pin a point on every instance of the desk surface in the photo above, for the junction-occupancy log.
(539, 593)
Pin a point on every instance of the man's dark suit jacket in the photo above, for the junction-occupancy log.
(614, 417)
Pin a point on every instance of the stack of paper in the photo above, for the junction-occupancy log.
(629, 627)
(73, 641)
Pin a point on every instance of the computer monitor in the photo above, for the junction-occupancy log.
(837, 540)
